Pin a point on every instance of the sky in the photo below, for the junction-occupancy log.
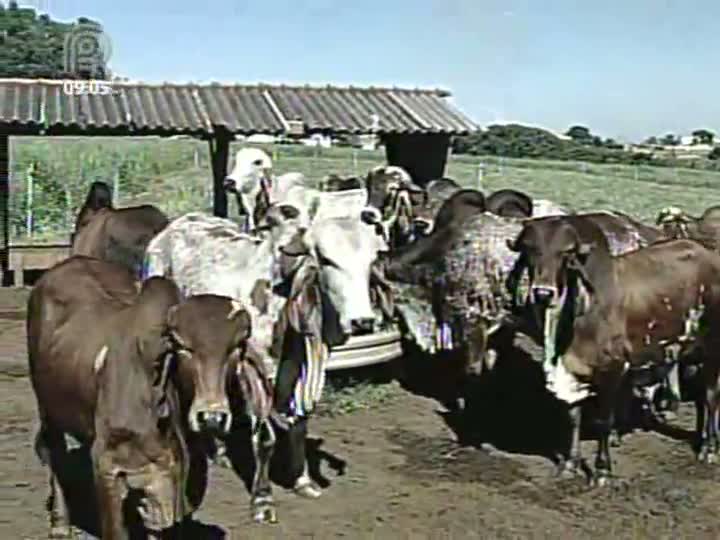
(625, 68)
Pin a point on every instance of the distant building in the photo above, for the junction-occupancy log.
(257, 139)
(317, 139)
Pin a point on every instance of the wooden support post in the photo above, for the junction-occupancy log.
(219, 151)
(4, 208)
(423, 156)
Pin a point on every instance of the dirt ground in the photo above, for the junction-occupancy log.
(396, 471)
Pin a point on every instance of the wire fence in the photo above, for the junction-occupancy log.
(49, 177)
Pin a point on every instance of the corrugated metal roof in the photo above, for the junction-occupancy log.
(135, 108)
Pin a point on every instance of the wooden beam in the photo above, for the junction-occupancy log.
(4, 207)
(219, 151)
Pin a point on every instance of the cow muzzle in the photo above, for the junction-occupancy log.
(422, 226)
(161, 504)
(544, 295)
(358, 327)
(213, 418)
(229, 184)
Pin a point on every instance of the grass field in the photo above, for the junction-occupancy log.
(175, 175)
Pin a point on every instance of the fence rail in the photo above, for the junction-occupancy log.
(50, 177)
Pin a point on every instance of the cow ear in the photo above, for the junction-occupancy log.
(172, 317)
(512, 245)
(304, 307)
(244, 325)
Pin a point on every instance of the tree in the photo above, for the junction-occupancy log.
(32, 46)
(651, 141)
(714, 154)
(703, 136)
(670, 140)
(579, 134)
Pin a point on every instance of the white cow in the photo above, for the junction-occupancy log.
(250, 178)
(315, 281)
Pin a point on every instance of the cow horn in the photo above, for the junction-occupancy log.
(235, 308)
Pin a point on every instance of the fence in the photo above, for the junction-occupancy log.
(50, 176)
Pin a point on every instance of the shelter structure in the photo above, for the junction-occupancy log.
(415, 125)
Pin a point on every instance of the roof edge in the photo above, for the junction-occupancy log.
(439, 92)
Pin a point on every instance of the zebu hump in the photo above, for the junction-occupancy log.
(479, 261)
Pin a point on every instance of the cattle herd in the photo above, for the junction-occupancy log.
(158, 342)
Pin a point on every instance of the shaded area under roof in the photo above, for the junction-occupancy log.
(48, 107)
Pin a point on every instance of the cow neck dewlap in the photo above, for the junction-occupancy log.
(552, 319)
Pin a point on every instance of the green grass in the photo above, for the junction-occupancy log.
(175, 175)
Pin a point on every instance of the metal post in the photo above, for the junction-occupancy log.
(116, 185)
(219, 150)
(4, 207)
(30, 173)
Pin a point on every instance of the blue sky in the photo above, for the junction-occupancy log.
(625, 68)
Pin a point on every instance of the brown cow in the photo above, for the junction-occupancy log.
(218, 382)
(641, 306)
(117, 235)
(112, 388)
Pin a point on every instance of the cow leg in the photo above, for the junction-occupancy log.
(605, 420)
(110, 491)
(574, 464)
(51, 449)
(303, 485)
(709, 442)
(263, 445)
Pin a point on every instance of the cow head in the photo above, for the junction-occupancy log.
(99, 197)
(250, 181)
(550, 249)
(437, 192)
(330, 268)
(208, 334)
(141, 431)
(674, 222)
(392, 191)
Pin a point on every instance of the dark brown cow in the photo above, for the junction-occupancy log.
(436, 193)
(640, 303)
(451, 216)
(100, 372)
(510, 203)
(116, 235)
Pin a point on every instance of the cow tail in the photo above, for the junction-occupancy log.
(155, 262)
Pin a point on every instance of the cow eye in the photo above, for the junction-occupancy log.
(257, 162)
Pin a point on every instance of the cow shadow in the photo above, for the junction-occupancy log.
(240, 454)
(75, 477)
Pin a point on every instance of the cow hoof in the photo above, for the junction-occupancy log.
(308, 491)
(62, 531)
(707, 457)
(222, 461)
(264, 512)
(568, 469)
(601, 479)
